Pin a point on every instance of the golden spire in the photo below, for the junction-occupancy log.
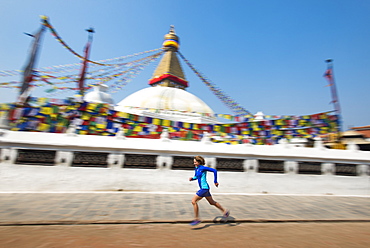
(171, 40)
(169, 72)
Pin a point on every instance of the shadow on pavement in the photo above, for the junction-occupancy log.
(218, 221)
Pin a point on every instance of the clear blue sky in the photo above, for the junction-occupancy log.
(267, 55)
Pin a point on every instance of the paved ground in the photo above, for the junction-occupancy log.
(122, 219)
(122, 207)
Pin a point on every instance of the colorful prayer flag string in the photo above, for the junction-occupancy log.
(233, 105)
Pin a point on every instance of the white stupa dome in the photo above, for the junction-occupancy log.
(99, 95)
(167, 103)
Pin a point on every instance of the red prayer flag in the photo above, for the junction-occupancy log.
(329, 76)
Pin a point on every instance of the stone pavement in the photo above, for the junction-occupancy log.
(141, 207)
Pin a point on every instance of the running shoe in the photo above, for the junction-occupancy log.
(194, 222)
(226, 214)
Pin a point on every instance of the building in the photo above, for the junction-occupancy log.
(365, 130)
(357, 137)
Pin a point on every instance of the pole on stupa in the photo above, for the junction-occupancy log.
(329, 75)
(81, 80)
(28, 71)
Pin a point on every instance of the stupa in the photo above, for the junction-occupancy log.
(167, 97)
(99, 95)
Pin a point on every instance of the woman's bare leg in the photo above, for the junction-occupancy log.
(194, 201)
(216, 204)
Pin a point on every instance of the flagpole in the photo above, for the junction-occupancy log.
(329, 75)
(85, 61)
(28, 71)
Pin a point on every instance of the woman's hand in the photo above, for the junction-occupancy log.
(191, 179)
(216, 184)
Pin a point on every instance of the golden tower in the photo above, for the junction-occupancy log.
(169, 72)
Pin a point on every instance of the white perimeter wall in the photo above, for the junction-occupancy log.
(63, 177)
(15, 177)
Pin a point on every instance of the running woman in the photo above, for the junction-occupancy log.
(201, 176)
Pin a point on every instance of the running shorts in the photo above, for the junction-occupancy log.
(203, 193)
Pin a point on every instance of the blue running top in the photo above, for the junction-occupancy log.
(201, 175)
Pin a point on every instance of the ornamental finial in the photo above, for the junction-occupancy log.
(172, 29)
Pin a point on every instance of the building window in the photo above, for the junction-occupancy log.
(345, 169)
(270, 166)
(90, 159)
(230, 164)
(35, 157)
(140, 161)
(183, 163)
(313, 168)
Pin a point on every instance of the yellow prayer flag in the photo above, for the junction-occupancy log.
(101, 126)
(138, 129)
(186, 125)
(85, 116)
(156, 121)
(166, 123)
(279, 122)
(171, 129)
(46, 110)
(43, 127)
(122, 114)
(302, 122)
(91, 106)
(5, 106)
(300, 131)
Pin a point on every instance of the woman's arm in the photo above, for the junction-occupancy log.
(214, 174)
(194, 177)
